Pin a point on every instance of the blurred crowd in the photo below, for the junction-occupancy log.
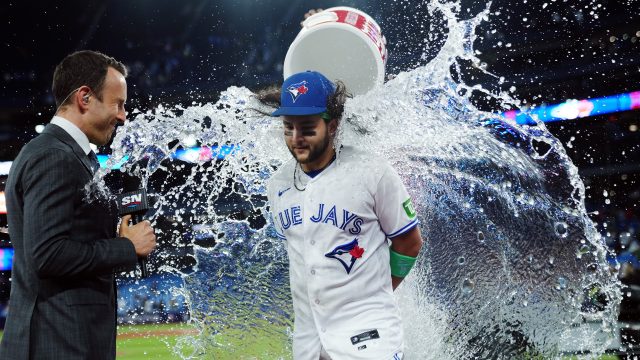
(621, 231)
(169, 69)
(151, 300)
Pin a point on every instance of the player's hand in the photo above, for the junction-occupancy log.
(141, 235)
(309, 13)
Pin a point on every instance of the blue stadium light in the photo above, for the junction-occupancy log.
(102, 159)
(6, 258)
(576, 109)
(191, 155)
(205, 153)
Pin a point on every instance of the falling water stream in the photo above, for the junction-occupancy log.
(512, 266)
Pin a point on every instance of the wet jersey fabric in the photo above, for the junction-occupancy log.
(336, 226)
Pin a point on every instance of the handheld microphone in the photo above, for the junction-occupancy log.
(134, 203)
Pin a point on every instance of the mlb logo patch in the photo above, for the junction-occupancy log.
(297, 89)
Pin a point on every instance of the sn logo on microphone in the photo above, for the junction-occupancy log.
(131, 201)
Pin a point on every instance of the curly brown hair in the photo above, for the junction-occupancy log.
(270, 96)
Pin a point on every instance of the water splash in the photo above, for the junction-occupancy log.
(511, 262)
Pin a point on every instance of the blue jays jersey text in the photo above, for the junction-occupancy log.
(344, 220)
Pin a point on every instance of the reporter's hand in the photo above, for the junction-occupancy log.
(141, 235)
(309, 13)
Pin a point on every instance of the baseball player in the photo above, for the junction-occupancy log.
(338, 210)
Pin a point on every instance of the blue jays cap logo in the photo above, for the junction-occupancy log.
(297, 89)
(347, 254)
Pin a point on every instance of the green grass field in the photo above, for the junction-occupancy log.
(175, 341)
(150, 341)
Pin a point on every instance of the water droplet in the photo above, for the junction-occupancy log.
(562, 283)
(467, 286)
(461, 260)
(584, 249)
(481, 236)
(561, 229)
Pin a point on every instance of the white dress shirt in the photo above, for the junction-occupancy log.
(74, 131)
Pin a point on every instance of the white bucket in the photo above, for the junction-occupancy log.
(342, 43)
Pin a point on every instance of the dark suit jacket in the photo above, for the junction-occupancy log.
(62, 302)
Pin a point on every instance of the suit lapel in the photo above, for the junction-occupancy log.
(63, 136)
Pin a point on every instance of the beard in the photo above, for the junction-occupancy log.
(315, 152)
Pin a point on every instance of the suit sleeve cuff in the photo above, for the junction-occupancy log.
(127, 255)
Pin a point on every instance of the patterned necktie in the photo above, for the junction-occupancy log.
(95, 164)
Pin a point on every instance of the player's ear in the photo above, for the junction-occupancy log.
(333, 127)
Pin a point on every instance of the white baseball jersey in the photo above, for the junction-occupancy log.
(336, 231)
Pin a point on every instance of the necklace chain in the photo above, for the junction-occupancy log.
(295, 169)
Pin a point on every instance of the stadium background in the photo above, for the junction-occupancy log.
(181, 52)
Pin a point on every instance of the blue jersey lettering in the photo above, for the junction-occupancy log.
(331, 216)
(347, 217)
(287, 224)
(295, 214)
(319, 216)
(355, 230)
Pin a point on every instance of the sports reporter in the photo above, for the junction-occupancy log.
(63, 301)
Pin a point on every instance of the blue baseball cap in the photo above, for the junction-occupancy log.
(304, 93)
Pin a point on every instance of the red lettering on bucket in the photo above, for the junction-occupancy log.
(368, 28)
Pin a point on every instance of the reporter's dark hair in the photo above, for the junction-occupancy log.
(270, 96)
(81, 68)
